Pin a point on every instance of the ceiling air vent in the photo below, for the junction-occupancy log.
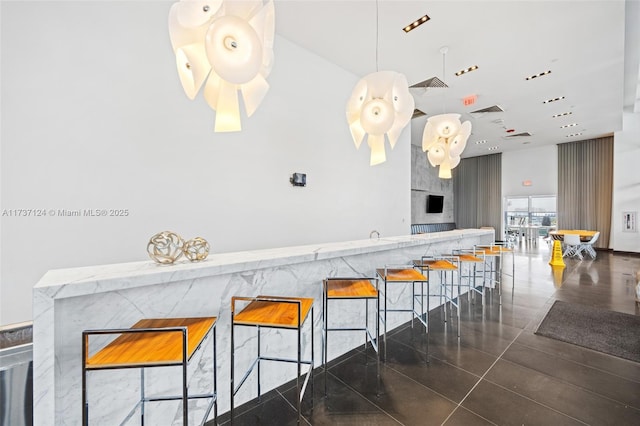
(431, 82)
(494, 108)
(417, 113)
(518, 134)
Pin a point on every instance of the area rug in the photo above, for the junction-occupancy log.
(613, 333)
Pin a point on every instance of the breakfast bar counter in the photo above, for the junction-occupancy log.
(68, 301)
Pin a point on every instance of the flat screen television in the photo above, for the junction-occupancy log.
(435, 203)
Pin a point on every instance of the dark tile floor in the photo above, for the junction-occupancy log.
(499, 372)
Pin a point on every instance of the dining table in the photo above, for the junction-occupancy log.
(585, 235)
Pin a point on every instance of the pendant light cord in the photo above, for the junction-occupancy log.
(377, 35)
(444, 74)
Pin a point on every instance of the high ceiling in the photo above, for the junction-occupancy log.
(582, 43)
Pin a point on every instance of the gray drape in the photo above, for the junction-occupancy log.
(477, 186)
(585, 185)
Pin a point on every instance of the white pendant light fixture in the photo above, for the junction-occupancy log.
(380, 105)
(444, 138)
(231, 43)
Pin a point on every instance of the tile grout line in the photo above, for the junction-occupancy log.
(483, 376)
(294, 408)
(627, 405)
(494, 363)
(348, 386)
(579, 363)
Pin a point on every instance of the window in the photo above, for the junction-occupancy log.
(542, 211)
(536, 210)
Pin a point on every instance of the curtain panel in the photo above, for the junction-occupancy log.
(477, 186)
(585, 186)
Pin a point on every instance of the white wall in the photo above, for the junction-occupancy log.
(539, 165)
(94, 117)
(626, 182)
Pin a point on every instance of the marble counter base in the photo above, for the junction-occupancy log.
(113, 296)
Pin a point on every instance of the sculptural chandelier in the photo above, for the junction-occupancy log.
(230, 45)
(380, 105)
(445, 137)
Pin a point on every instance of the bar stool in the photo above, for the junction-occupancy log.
(152, 343)
(492, 276)
(495, 253)
(505, 250)
(471, 259)
(443, 264)
(405, 274)
(351, 289)
(285, 313)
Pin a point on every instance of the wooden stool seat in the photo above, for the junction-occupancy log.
(435, 264)
(152, 348)
(488, 251)
(161, 342)
(466, 257)
(274, 313)
(400, 274)
(350, 289)
(500, 249)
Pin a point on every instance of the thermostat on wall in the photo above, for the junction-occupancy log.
(298, 179)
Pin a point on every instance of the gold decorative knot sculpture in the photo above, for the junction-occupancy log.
(196, 249)
(165, 247)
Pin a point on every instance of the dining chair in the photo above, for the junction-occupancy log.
(588, 246)
(572, 246)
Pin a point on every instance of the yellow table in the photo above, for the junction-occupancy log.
(584, 234)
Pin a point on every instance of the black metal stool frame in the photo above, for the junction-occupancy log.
(424, 319)
(443, 283)
(375, 343)
(472, 272)
(299, 361)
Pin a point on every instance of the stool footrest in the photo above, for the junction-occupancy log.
(347, 329)
(416, 314)
(293, 361)
(177, 397)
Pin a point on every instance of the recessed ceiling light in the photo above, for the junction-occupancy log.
(575, 134)
(562, 115)
(481, 142)
(415, 24)
(531, 77)
(569, 125)
(493, 148)
(553, 100)
(473, 68)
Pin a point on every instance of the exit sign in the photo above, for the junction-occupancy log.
(469, 100)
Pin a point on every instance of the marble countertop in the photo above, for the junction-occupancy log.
(63, 283)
